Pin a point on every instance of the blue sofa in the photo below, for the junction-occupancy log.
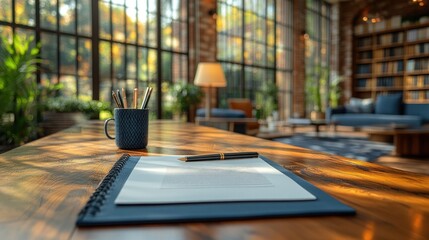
(388, 109)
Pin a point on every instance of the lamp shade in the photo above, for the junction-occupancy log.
(210, 75)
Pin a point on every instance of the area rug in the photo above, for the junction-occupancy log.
(356, 148)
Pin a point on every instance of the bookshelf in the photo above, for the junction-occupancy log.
(392, 56)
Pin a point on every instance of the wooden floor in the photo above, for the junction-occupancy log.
(416, 165)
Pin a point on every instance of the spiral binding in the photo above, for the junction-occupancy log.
(97, 199)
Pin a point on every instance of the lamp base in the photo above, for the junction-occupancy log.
(208, 103)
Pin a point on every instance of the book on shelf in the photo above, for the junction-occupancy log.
(421, 48)
(418, 64)
(417, 34)
(418, 81)
(388, 82)
(390, 38)
(413, 95)
(364, 69)
(365, 55)
(390, 67)
(364, 42)
(363, 83)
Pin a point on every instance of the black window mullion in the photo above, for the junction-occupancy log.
(58, 42)
(95, 50)
(125, 45)
(76, 46)
(243, 49)
(38, 38)
(159, 60)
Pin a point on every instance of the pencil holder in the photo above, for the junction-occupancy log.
(131, 128)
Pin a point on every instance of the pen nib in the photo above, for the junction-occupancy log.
(183, 159)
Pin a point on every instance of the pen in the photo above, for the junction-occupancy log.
(115, 98)
(147, 97)
(135, 96)
(146, 92)
(124, 96)
(120, 98)
(220, 156)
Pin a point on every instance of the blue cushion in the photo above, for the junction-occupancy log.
(389, 104)
(368, 119)
(222, 113)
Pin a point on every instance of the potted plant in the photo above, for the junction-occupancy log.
(315, 88)
(18, 90)
(63, 112)
(267, 102)
(186, 97)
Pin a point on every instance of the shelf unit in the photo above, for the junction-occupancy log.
(392, 59)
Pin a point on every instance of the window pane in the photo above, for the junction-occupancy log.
(49, 52)
(6, 31)
(105, 60)
(131, 62)
(85, 88)
(67, 16)
(85, 57)
(118, 54)
(48, 14)
(166, 33)
(131, 25)
(104, 16)
(6, 10)
(118, 21)
(84, 17)
(25, 12)
(69, 83)
(67, 55)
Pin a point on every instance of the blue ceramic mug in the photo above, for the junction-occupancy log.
(131, 128)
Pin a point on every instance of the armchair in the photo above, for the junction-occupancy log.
(246, 106)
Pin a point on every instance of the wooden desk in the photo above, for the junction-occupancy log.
(45, 183)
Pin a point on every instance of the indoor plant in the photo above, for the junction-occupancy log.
(187, 96)
(18, 90)
(315, 89)
(64, 112)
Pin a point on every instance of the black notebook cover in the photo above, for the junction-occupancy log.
(102, 210)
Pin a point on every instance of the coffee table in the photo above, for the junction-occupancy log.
(407, 141)
(297, 122)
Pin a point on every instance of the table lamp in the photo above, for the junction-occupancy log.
(209, 75)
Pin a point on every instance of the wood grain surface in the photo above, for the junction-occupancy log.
(44, 184)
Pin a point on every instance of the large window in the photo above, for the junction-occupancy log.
(255, 47)
(94, 47)
(318, 48)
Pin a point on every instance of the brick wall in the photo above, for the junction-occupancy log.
(298, 96)
(203, 37)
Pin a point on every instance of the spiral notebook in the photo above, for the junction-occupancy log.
(101, 208)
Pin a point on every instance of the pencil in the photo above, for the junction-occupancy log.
(124, 97)
(135, 96)
(115, 98)
(220, 156)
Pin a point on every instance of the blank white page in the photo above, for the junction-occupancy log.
(167, 180)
